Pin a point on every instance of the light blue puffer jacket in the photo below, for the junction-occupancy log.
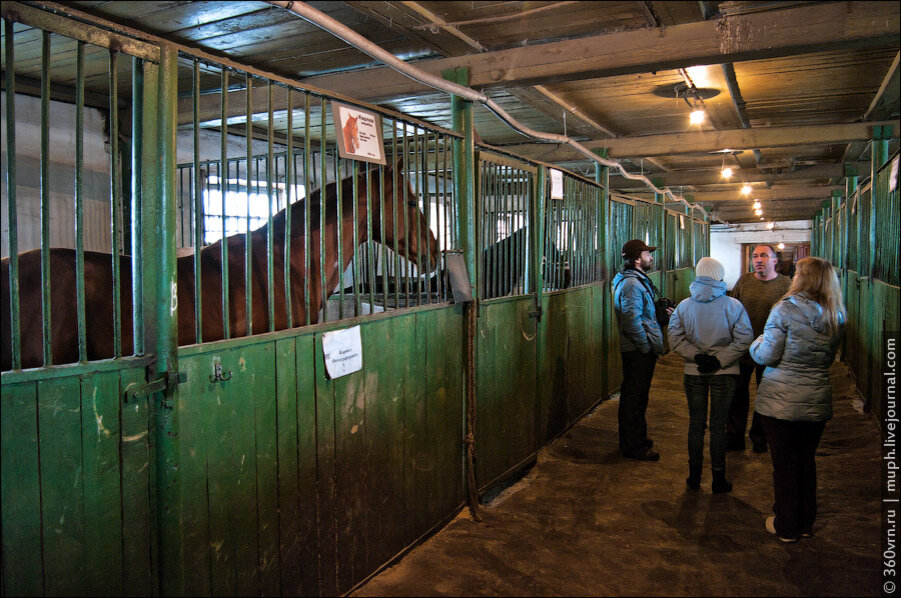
(633, 301)
(712, 323)
(798, 352)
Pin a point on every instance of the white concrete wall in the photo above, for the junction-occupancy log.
(726, 243)
(61, 175)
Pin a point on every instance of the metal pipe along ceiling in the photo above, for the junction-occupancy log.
(356, 40)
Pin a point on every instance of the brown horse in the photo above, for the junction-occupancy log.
(405, 228)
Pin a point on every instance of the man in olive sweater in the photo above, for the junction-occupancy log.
(758, 291)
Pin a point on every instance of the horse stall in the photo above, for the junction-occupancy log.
(233, 360)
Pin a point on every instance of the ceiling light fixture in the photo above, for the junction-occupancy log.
(771, 225)
(696, 117)
(756, 204)
(781, 246)
(746, 189)
(726, 172)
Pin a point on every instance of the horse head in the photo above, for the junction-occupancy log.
(406, 226)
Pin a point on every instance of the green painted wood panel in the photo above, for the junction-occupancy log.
(326, 476)
(308, 499)
(291, 537)
(506, 394)
(100, 441)
(20, 490)
(62, 484)
(385, 441)
(138, 490)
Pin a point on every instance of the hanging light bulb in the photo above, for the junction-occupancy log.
(696, 117)
(726, 172)
(770, 225)
(758, 212)
(746, 189)
(756, 205)
(781, 246)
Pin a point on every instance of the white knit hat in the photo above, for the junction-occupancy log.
(710, 268)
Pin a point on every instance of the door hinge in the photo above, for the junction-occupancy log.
(536, 314)
(165, 382)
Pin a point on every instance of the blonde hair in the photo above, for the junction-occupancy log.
(816, 279)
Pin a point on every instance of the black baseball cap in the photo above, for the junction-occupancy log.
(635, 247)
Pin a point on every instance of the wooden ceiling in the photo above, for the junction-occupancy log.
(793, 89)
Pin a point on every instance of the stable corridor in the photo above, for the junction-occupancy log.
(586, 522)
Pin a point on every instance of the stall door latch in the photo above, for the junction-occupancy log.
(166, 381)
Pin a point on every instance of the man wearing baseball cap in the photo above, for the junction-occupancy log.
(640, 342)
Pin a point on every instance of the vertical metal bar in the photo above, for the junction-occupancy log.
(248, 245)
(223, 190)
(307, 224)
(197, 207)
(370, 263)
(339, 232)
(12, 215)
(115, 177)
(417, 197)
(289, 184)
(394, 208)
(383, 249)
(171, 568)
(79, 203)
(45, 195)
(424, 198)
(405, 199)
(323, 275)
(270, 233)
(137, 220)
(355, 238)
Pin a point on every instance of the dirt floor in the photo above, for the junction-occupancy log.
(586, 522)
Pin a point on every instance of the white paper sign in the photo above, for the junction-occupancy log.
(343, 352)
(359, 134)
(893, 180)
(556, 184)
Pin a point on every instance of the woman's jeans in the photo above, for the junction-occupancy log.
(721, 387)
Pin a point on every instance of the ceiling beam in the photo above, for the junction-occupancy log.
(777, 194)
(736, 38)
(699, 142)
(743, 175)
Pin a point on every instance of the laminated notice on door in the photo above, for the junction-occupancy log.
(556, 184)
(343, 352)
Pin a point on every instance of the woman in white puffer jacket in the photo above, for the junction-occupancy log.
(798, 346)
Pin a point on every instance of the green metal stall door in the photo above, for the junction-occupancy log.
(293, 483)
(77, 465)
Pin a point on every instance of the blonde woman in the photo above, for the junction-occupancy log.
(794, 400)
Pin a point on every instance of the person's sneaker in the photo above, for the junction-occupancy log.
(771, 527)
(647, 443)
(643, 454)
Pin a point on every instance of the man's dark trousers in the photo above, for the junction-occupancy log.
(638, 370)
(738, 414)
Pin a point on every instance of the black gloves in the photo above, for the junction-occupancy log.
(707, 364)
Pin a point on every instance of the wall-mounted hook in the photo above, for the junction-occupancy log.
(217, 374)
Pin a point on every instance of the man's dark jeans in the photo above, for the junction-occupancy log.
(721, 389)
(638, 370)
(738, 414)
